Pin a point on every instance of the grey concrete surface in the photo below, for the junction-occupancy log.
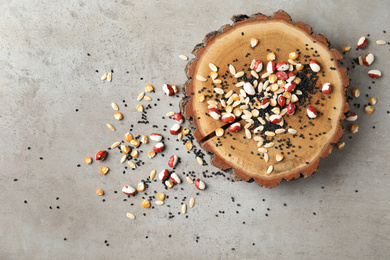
(342, 212)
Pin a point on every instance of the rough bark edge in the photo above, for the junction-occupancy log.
(221, 163)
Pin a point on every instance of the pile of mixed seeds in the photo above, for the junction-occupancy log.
(262, 101)
(130, 150)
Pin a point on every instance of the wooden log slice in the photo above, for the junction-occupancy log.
(232, 45)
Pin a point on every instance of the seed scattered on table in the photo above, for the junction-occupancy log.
(152, 174)
(354, 129)
(88, 160)
(114, 106)
(192, 202)
(129, 215)
(189, 145)
(140, 108)
(380, 42)
(373, 100)
(104, 170)
(183, 57)
(141, 96)
(110, 126)
(145, 204)
(199, 160)
(369, 110)
(118, 116)
(184, 208)
(340, 145)
(149, 88)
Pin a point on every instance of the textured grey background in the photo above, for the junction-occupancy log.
(342, 212)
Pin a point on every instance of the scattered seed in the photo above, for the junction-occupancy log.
(104, 170)
(152, 174)
(104, 77)
(189, 180)
(271, 56)
(232, 69)
(200, 161)
(269, 145)
(299, 67)
(270, 169)
(149, 88)
(88, 160)
(360, 61)
(141, 186)
(144, 139)
(279, 157)
(262, 150)
(219, 91)
(280, 131)
(109, 77)
(128, 137)
(354, 129)
(254, 42)
(213, 67)
(380, 42)
(266, 157)
(219, 132)
(185, 130)
(373, 100)
(269, 133)
(145, 204)
(189, 145)
(123, 159)
(114, 106)
(248, 133)
(110, 127)
(201, 98)
(159, 202)
(140, 108)
(129, 215)
(184, 208)
(340, 145)
(131, 164)
(161, 196)
(169, 184)
(183, 57)
(355, 92)
(125, 149)
(369, 110)
(99, 192)
(147, 98)
(140, 96)
(346, 48)
(293, 56)
(151, 154)
(201, 78)
(254, 74)
(118, 116)
(240, 84)
(239, 74)
(192, 202)
(292, 131)
(170, 113)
